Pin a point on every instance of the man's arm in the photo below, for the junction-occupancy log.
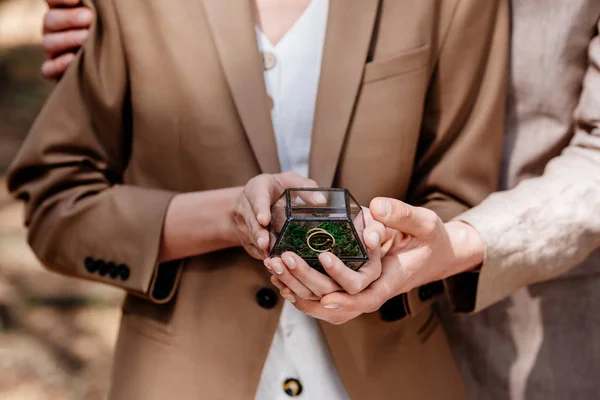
(534, 232)
(546, 225)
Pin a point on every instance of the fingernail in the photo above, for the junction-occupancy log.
(332, 306)
(262, 219)
(82, 36)
(46, 68)
(374, 239)
(290, 262)
(277, 267)
(84, 17)
(289, 298)
(262, 242)
(327, 261)
(384, 208)
(319, 198)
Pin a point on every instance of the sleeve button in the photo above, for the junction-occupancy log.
(90, 265)
(113, 271)
(102, 267)
(123, 272)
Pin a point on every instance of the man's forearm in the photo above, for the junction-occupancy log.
(541, 229)
(467, 245)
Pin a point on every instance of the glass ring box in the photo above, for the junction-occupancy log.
(310, 221)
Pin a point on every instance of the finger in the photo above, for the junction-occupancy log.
(60, 42)
(316, 310)
(295, 180)
(318, 283)
(395, 214)
(288, 295)
(246, 239)
(387, 235)
(255, 252)
(257, 235)
(374, 233)
(64, 19)
(260, 192)
(277, 283)
(63, 3)
(53, 69)
(284, 276)
(367, 301)
(351, 281)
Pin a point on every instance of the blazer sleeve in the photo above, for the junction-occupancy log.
(547, 225)
(460, 150)
(83, 221)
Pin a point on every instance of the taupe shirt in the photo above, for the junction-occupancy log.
(543, 342)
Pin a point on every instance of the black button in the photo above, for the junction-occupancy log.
(266, 298)
(90, 265)
(393, 309)
(431, 290)
(113, 270)
(292, 387)
(123, 272)
(102, 267)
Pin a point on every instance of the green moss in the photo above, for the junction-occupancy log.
(296, 233)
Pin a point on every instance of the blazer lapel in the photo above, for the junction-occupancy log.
(232, 25)
(349, 31)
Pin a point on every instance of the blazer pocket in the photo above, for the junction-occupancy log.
(397, 64)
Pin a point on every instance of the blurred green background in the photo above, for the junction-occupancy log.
(56, 334)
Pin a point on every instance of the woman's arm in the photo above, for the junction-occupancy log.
(199, 223)
(83, 221)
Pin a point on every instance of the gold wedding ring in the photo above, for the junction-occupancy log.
(319, 240)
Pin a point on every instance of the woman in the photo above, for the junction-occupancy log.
(154, 142)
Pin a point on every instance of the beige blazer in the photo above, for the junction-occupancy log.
(169, 97)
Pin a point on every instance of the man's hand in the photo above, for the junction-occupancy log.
(66, 26)
(433, 251)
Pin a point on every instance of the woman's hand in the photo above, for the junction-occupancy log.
(66, 26)
(298, 282)
(252, 214)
